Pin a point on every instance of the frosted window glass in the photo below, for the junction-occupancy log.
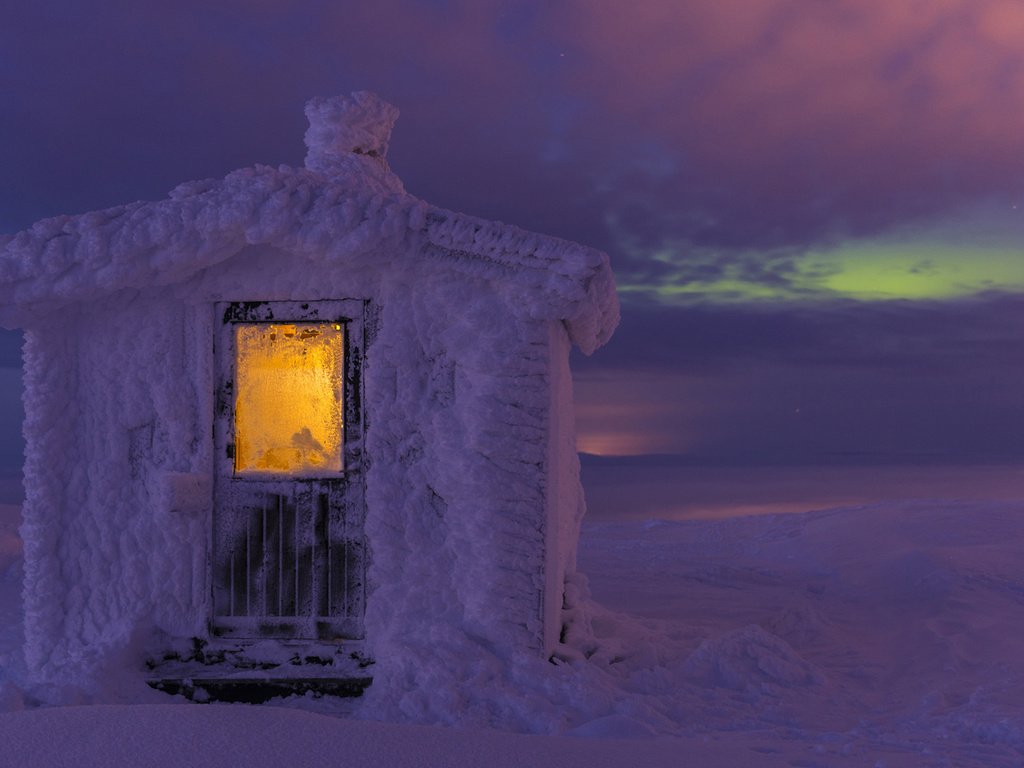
(288, 409)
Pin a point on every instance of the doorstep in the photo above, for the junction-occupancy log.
(257, 671)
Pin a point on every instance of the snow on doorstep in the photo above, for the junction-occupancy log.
(890, 635)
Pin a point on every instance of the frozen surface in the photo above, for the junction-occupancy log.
(889, 635)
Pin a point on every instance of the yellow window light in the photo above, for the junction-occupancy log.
(288, 398)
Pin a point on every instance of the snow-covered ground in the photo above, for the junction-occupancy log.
(881, 636)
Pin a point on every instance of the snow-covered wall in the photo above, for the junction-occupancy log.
(111, 416)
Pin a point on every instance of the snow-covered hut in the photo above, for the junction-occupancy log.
(298, 413)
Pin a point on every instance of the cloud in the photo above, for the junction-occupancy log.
(794, 122)
(964, 254)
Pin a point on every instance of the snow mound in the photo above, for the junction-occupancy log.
(750, 658)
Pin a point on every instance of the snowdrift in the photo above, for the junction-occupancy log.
(888, 635)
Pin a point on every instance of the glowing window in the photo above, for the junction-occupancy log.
(288, 398)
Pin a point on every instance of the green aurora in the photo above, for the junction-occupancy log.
(862, 271)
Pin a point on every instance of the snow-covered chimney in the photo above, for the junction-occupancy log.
(344, 125)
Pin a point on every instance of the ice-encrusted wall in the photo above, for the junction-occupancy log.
(110, 412)
(461, 438)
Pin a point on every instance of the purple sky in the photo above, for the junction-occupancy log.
(811, 207)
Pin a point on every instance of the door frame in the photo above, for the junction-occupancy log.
(350, 313)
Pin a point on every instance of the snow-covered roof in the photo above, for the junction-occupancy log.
(345, 207)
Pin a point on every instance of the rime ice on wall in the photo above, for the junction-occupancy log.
(472, 492)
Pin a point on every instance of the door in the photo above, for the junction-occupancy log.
(288, 555)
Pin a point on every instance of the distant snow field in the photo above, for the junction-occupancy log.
(880, 636)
